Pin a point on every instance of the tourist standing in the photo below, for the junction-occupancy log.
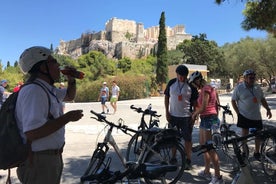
(115, 93)
(180, 99)
(103, 97)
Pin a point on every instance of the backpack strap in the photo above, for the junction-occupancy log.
(50, 116)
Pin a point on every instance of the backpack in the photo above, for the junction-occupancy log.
(13, 151)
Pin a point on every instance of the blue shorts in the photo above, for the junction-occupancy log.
(207, 122)
(103, 100)
(183, 125)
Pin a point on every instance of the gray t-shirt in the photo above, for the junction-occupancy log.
(249, 100)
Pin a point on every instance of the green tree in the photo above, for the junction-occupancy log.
(124, 64)
(162, 58)
(259, 14)
(201, 51)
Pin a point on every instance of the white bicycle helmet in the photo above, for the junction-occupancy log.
(195, 75)
(32, 56)
(249, 72)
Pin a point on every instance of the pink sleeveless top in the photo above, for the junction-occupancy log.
(211, 107)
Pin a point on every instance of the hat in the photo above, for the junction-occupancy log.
(32, 56)
(249, 72)
(104, 82)
(4, 81)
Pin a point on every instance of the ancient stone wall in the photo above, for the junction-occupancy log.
(122, 38)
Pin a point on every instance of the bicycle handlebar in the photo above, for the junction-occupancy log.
(146, 111)
(203, 148)
(226, 109)
(102, 118)
(262, 133)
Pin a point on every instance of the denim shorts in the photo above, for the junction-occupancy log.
(207, 122)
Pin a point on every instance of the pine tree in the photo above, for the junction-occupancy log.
(162, 58)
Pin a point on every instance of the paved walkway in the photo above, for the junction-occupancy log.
(82, 137)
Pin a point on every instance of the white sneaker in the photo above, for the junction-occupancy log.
(202, 174)
(216, 180)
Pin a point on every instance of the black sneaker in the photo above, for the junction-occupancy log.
(102, 112)
(188, 165)
(173, 161)
(257, 156)
(244, 155)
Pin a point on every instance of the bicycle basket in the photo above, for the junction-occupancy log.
(167, 135)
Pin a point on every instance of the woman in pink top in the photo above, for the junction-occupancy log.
(207, 110)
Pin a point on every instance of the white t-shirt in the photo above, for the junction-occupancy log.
(32, 110)
(115, 91)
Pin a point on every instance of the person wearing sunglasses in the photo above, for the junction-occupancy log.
(247, 100)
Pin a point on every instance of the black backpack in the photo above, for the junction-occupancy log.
(13, 151)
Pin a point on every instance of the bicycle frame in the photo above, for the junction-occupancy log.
(109, 139)
(150, 164)
(244, 176)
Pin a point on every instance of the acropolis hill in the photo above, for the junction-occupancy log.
(122, 38)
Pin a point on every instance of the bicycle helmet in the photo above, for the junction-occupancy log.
(249, 72)
(32, 56)
(182, 70)
(195, 75)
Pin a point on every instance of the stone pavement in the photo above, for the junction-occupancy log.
(82, 137)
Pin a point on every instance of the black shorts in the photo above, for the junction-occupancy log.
(243, 122)
(183, 125)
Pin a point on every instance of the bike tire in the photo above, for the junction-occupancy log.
(134, 147)
(162, 155)
(136, 144)
(268, 157)
(96, 169)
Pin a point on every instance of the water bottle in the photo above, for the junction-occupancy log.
(73, 73)
(149, 107)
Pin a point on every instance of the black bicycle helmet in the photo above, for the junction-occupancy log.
(182, 70)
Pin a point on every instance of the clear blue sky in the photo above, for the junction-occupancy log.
(25, 23)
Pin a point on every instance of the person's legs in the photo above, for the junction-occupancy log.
(245, 132)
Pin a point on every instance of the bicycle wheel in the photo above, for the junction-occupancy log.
(97, 169)
(134, 147)
(164, 154)
(268, 157)
(136, 144)
(228, 161)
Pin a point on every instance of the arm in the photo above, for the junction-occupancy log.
(53, 125)
(265, 105)
(203, 106)
(71, 89)
(235, 106)
(166, 100)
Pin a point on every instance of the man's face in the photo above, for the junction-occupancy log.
(182, 78)
(53, 68)
(250, 79)
(5, 84)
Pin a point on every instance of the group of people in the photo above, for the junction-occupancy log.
(187, 99)
(104, 96)
(41, 118)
